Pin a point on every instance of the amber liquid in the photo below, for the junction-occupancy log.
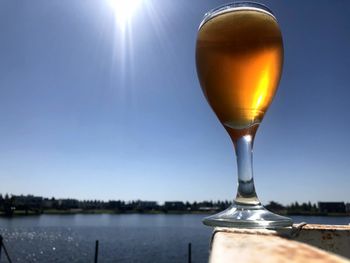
(239, 56)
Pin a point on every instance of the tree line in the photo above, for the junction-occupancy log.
(29, 204)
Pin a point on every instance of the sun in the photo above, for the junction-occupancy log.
(124, 10)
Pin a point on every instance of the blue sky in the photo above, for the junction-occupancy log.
(91, 111)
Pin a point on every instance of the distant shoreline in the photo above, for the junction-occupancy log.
(20, 205)
(152, 212)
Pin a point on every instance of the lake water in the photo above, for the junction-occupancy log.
(123, 238)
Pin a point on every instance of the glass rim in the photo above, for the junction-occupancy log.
(235, 6)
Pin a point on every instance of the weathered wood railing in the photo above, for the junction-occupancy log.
(300, 244)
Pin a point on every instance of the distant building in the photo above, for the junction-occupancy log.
(91, 204)
(22, 202)
(48, 203)
(115, 204)
(174, 205)
(147, 205)
(347, 207)
(209, 208)
(68, 203)
(331, 207)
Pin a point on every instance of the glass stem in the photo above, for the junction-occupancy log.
(246, 194)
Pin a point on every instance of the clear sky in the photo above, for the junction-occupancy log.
(90, 109)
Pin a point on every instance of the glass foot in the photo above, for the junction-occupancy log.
(247, 216)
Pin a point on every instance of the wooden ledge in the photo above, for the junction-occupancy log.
(261, 245)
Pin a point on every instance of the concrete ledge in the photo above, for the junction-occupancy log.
(250, 246)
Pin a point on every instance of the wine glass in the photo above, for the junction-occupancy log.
(239, 58)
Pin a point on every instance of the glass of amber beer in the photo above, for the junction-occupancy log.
(239, 57)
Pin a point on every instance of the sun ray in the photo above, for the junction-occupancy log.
(124, 12)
